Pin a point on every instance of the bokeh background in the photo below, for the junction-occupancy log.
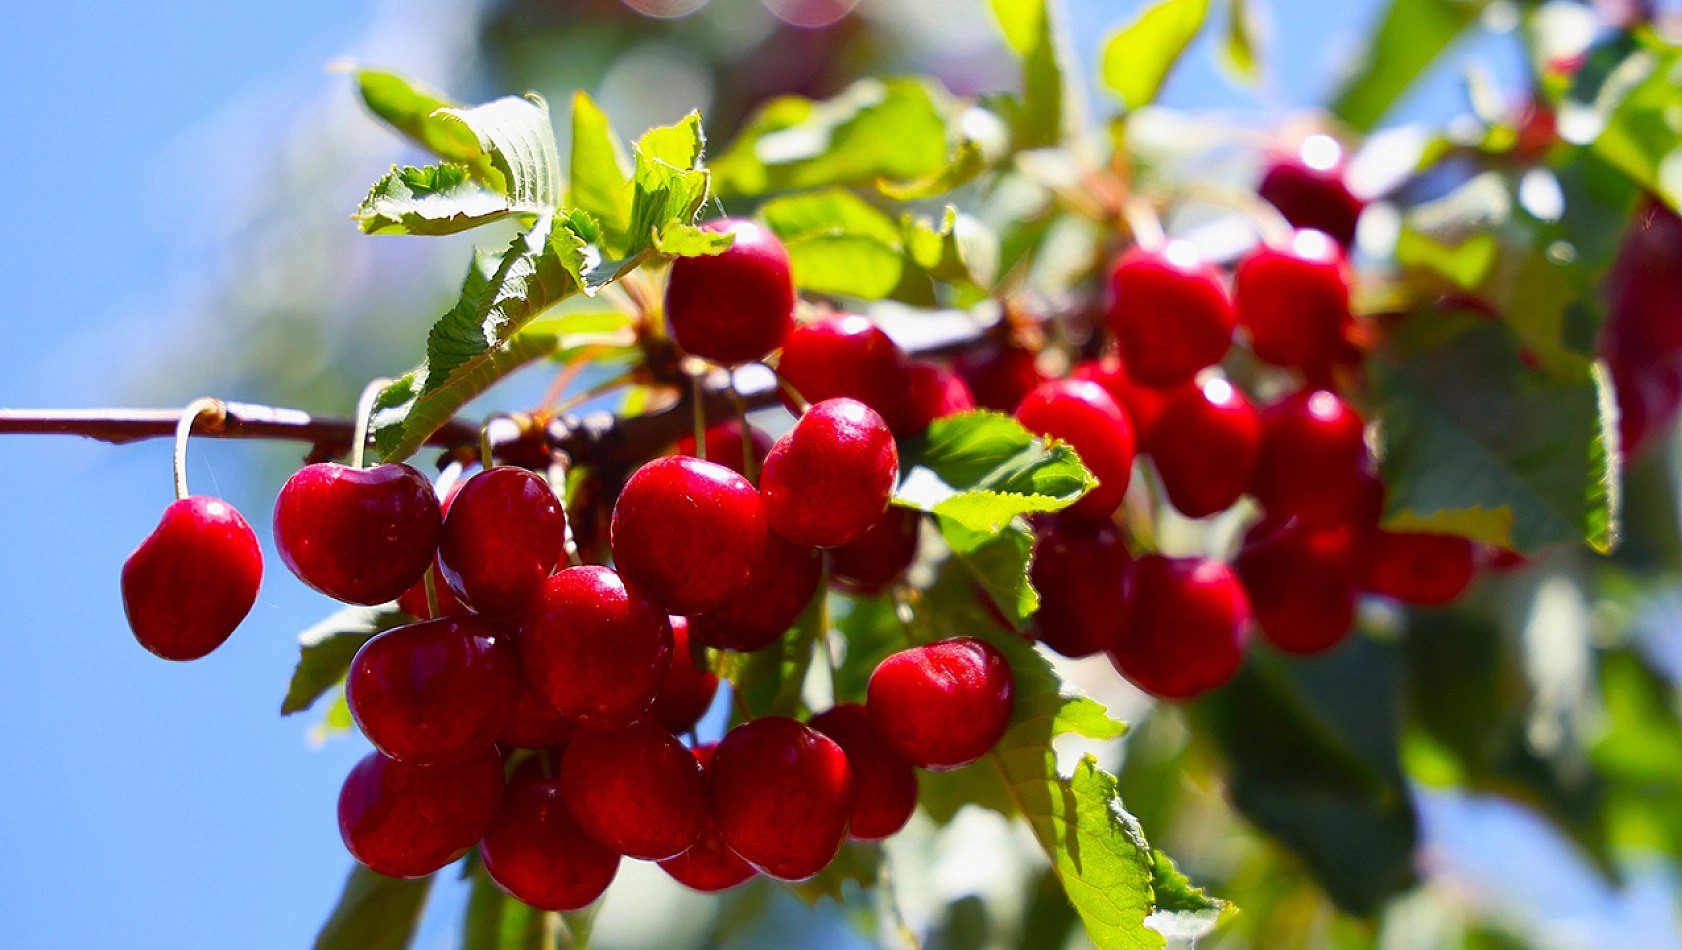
(179, 182)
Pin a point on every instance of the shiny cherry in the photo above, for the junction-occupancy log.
(943, 705)
(782, 794)
(1210, 437)
(1427, 570)
(363, 536)
(725, 446)
(736, 306)
(884, 785)
(873, 559)
(536, 852)
(936, 392)
(1301, 587)
(595, 647)
(1170, 312)
(535, 724)
(781, 585)
(1307, 186)
(1080, 571)
(1142, 403)
(1294, 300)
(406, 820)
(504, 534)
(1189, 624)
(413, 601)
(1641, 337)
(709, 865)
(848, 355)
(636, 790)
(999, 376)
(688, 531)
(194, 578)
(689, 688)
(828, 479)
(1313, 459)
(1082, 414)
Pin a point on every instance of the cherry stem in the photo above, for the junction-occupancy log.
(184, 428)
(364, 412)
(800, 403)
(1143, 221)
(548, 764)
(430, 579)
(700, 402)
(750, 462)
(741, 704)
(486, 449)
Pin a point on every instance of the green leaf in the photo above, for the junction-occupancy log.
(837, 243)
(961, 168)
(991, 470)
(769, 680)
(1239, 56)
(495, 921)
(962, 250)
(374, 913)
(686, 240)
(437, 199)
(1638, 103)
(859, 862)
(412, 109)
(1183, 912)
(873, 631)
(1039, 117)
(515, 134)
(999, 562)
(1466, 265)
(600, 172)
(669, 185)
(326, 649)
(1138, 57)
(1411, 35)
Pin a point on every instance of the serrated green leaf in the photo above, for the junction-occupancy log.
(992, 470)
(837, 243)
(326, 649)
(1409, 38)
(1183, 911)
(669, 184)
(859, 862)
(1239, 55)
(437, 199)
(374, 912)
(517, 137)
(600, 171)
(960, 169)
(999, 562)
(686, 240)
(412, 109)
(1139, 56)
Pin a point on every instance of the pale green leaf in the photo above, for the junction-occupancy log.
(516, 135)
(1239, 55)
(1039, 117)
(686, 240)
(600, 171)
(669, 185)
(412, 109)
(1138, 57)
(437, 199)
(960, 169)
(837, 243)
(1408, 39)
(960, 250)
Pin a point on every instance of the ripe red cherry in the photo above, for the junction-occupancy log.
(363, 536)
(936, 392)
(636, 790)
(538, 854)
(1170, 313)
(596, 648)
(194, 578)
(848, 355)
(884, 785)
(1641, 338)
(724, 446)
(781, 585)
(881, 554)
(535, 724)
(1189, 626)
(1080, 571)
(1295, 301)
(736, 306)
(438, 691)
(999, 376)
(1141, 403)
(1083, 415)
(709, 865)
(689, 531)
(410, 820)
(828, 479)
(1308, 189)
(782, 794)
(1210, 437)
(504, 534)
(688, 690)
(1428, 570)
(943, 705)
(1312, 462)
(1301, 587)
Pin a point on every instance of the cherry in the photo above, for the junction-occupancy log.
(724, 446)
(438, 691)
(943, 705)
(782, 794)
(1301, 587)
(1080, 571)
(595, 647)
(1428, 570)
(999, 376)
(737, 306)
(536, 852)
(1312, 461)
(1294, 300)
(884, 785)
(1641, 338)
(1170, 313)
(1649, 396)
(848, 355)
(936, 392)
(504, 534)
(1141, 403)
(406, 820)
(636, 790)
(1189, 626)
(1083, 414)
(709, 864)
(1206, 455)
(363, 536)
(828, 479)
(1308, 189)
(688, 690)
(194, 578)
(689, 531)
(873, 559)
(781, 585)
(535, 724)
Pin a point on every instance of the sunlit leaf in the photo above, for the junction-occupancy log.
(326, 649)
(599, 172)
(837, 243)
(1408, 39)
(1138, 57)
(437, 199)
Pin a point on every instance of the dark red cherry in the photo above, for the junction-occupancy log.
(1083, 415)
(848, 355)
(1209, 439)
(943, 705)
(1189, 624)
(1141, 403)
(193, 579)
(636, 790)
(1641, 338)
(535, 724)
(781, 585)
(596, 648)
(1313, 460)
(884, 785)
(881, 554)
(689, 689)
(689, 531)
(438, 691)
(936, 392)
(1301, 587)
(736, 306)
(782, 794)
(363, 536)
(1307, 187)
(999, 376)
(406, 820)
(828, 479)
(504, 534)
(1170, 312)
(538, 854)
(725, 446)
(709, 865)
(1294, 300)
(1080, 571)
(1428, 570)
(1649, 396)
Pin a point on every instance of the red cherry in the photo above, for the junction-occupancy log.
(943, 705)
(1313, 459)
(873, 559)
(1206, 455)
(596, 648)
(194, 578)
(1309, 190)
(535, 724)
(709, 865)
(689, 531)
(538, 854)
(1649, 396)
(781, 585)
(438, 691)
(363, 536)
(999, 376)
(1641, 338)
(848, 355)
(828, 479)
(1083, 415)
(636, 790)
(736, 306)
(413, 601)
(1170, 313)
(1428, 570)
(884, 785)
(936, 392)
(724, 446)
(504, 534)
(1080, 571)
(782, 794)
(688, 690)
(410, 820)
(1189, 626)
(1141, 403)
(1295, 301)
(1301, 588)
